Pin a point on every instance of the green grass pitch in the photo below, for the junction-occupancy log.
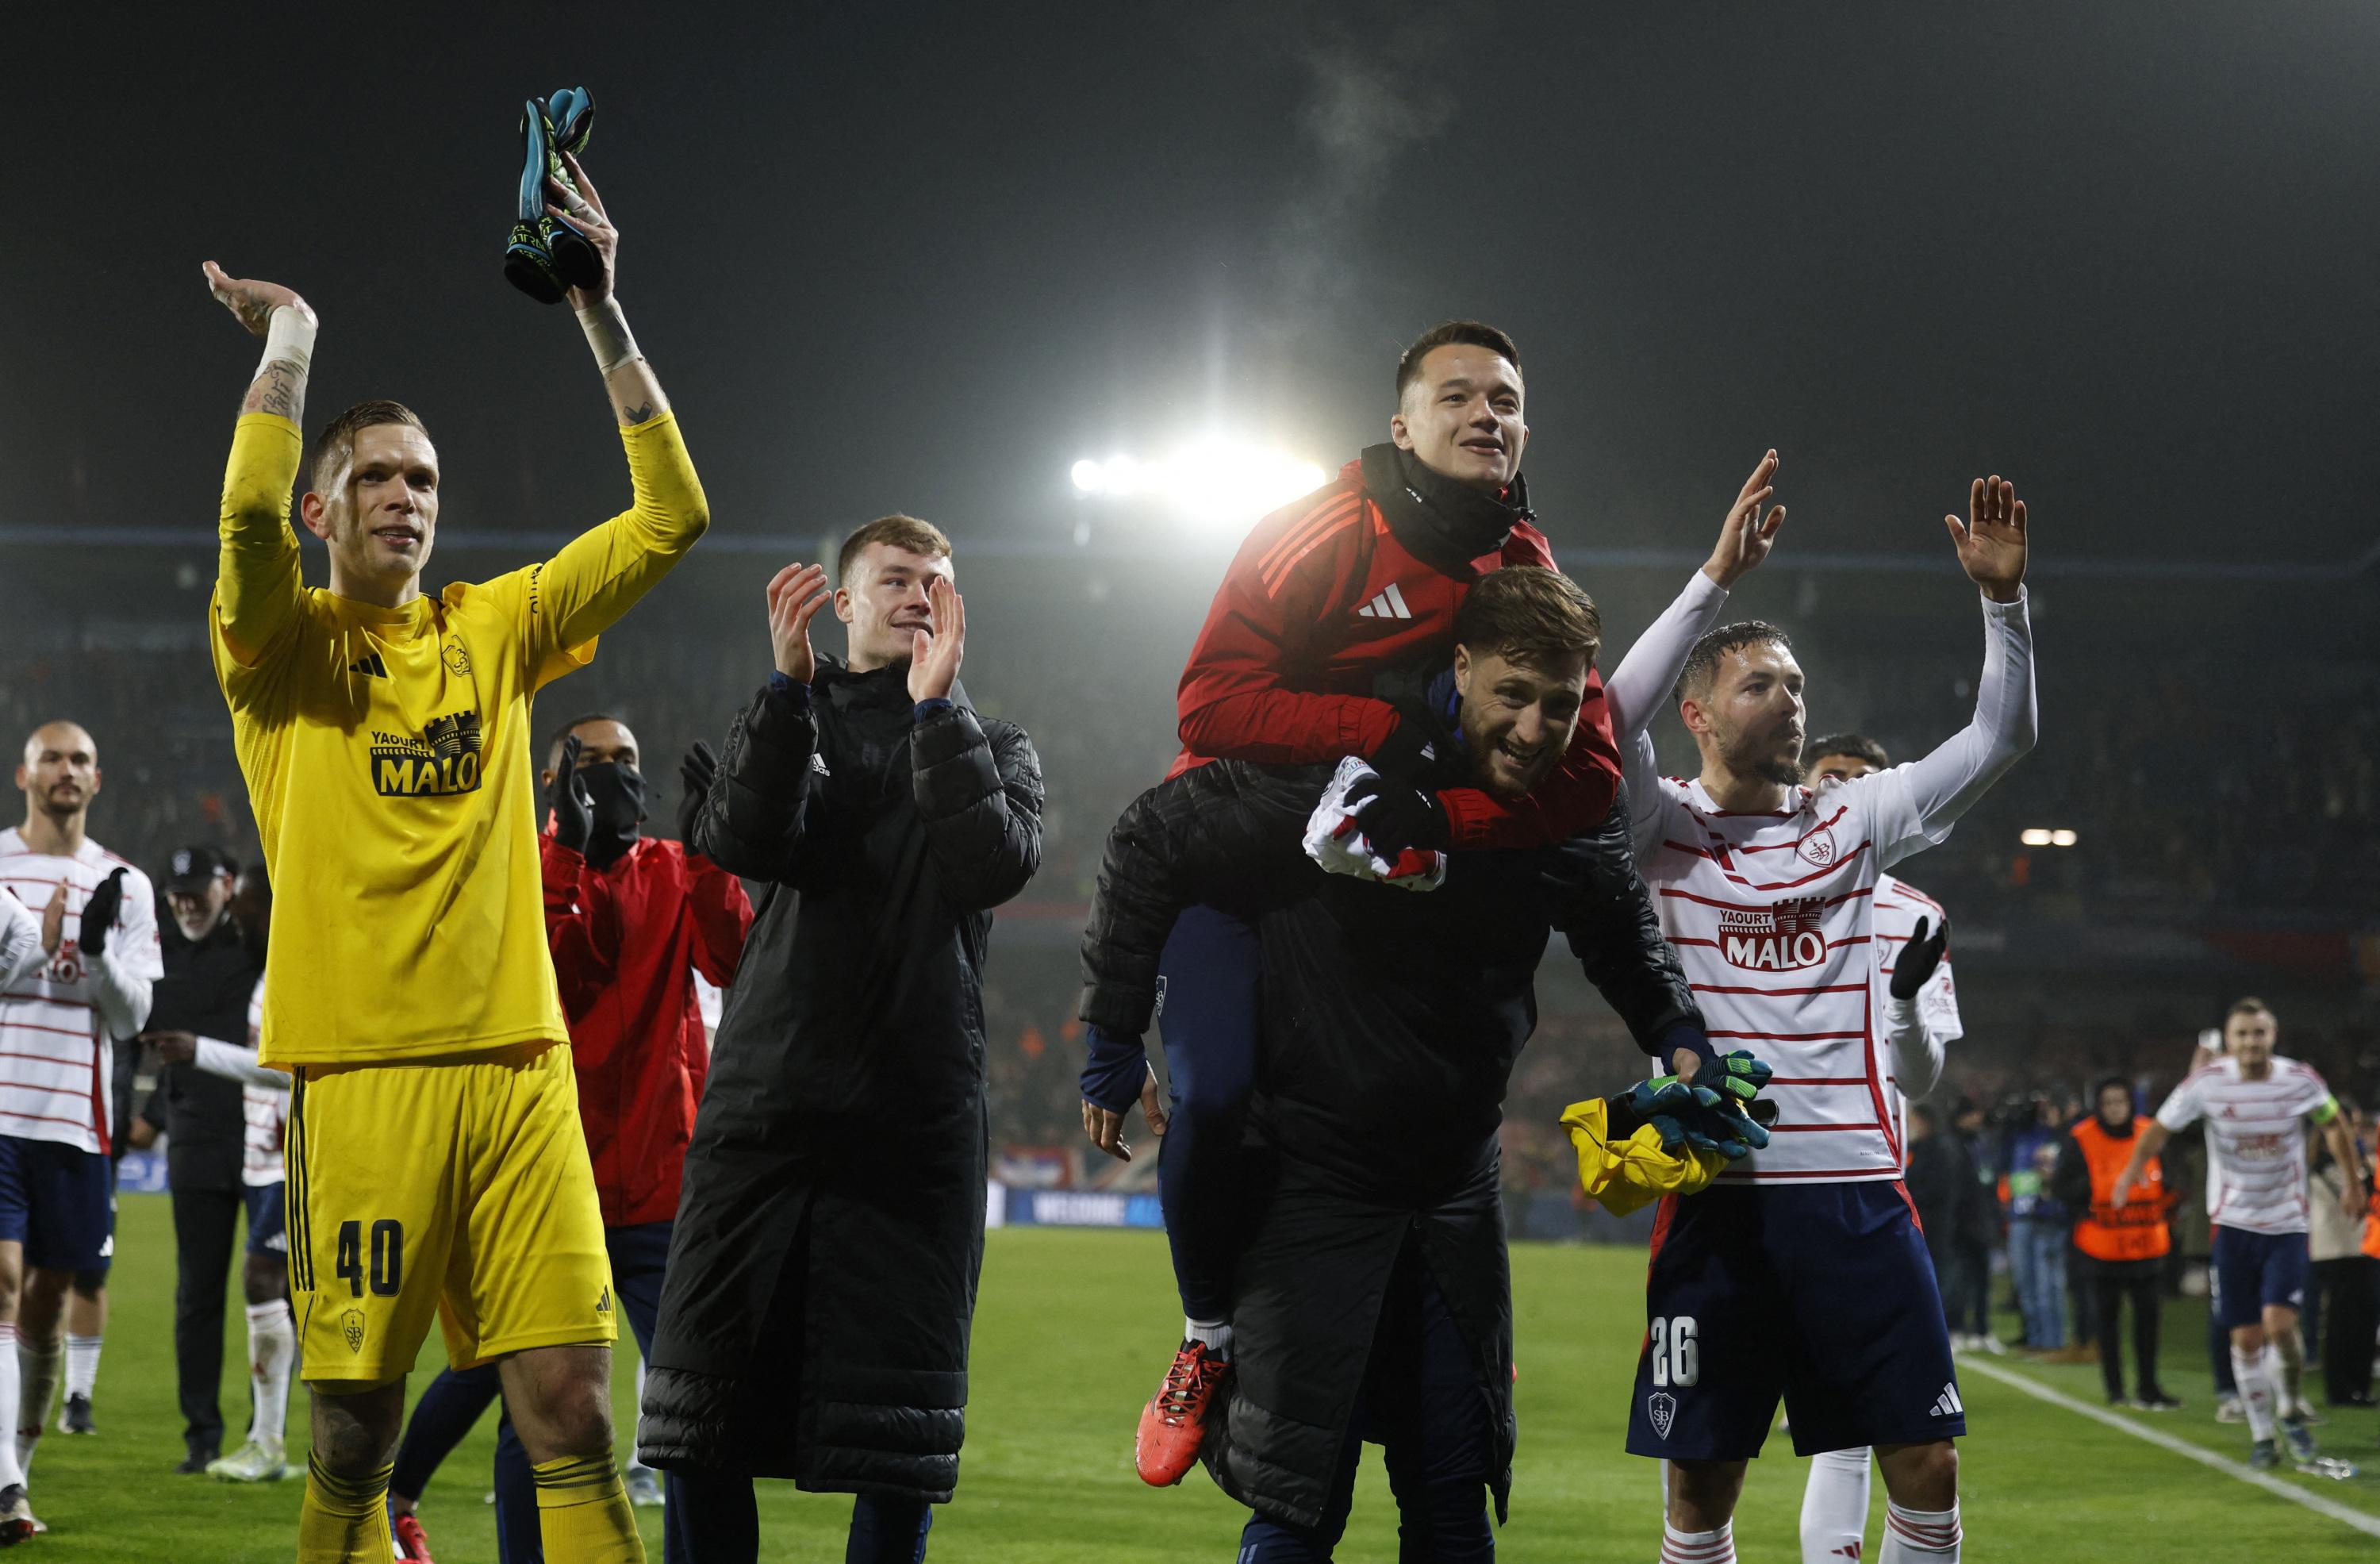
(1072, 1332)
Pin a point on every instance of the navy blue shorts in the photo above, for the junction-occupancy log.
(2255, 1271)
(268, 1218)
(58, 1200)
(1820, 1293)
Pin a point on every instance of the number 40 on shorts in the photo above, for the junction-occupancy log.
(387, 1271)
(1677, 1355)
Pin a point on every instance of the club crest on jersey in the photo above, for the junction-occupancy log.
(1663, 1410)
(1787, 937)
(459, 662)
(445, 759)
(1818, 849)
(351, 1328)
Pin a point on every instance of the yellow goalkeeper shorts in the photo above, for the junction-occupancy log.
(457, 1188)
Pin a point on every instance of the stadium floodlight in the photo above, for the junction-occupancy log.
(1215, 479)
(2063, 838)
(2037, 836)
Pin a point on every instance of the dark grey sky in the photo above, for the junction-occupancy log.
(926, 256)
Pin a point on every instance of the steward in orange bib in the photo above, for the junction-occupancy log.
(2120, 1248)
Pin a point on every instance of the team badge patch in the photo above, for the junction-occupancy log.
(351, 1327)
(1817, 848)
(1663, 1410)
(459, 662)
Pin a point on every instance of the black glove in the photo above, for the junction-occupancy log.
(696, 772)
(1395, 815)
(1918, 958)
(1405, 755)
(574, 812)
(98, 914)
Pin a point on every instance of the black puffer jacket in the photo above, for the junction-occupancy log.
(1391, 1023)
(822, 1274)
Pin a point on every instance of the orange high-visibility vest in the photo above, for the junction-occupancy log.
(2134, 1230)
(2372, 1226)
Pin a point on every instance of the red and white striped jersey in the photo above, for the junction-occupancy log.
(1899, 906)
(54, 1068)
(1774, 917)
(2256, 1140)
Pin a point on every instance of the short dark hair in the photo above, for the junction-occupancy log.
(1471, 334)
(2248, 1005)
(1702, 662)
(1856, 745)
(554, 746)
(337, 444)
(1528, 613)
(895, 530)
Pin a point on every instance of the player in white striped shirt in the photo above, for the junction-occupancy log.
(1802, 1272)
(1918, 1031)
(2255, 1104)
(98, 931)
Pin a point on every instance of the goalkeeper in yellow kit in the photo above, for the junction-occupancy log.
(436, 1165)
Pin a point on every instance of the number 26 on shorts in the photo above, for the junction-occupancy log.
(1677, 1355)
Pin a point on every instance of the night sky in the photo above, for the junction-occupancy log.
(926, 256)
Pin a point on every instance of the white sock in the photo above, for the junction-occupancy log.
(82, 1364)
(1663, 1468)
(11, 1472)
(1834, 1507)
(1919, 1536)
(271, 1353)
(1698, 1547)
(37, 1386)
(634, 1464)
(2290, 1375)
(1215, 1334)
(2257, 1390)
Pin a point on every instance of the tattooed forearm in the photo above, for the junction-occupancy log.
(636, 395)
(279, 388)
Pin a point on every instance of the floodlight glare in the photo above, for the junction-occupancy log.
(1214, 480)
(2063, 838)
(2037, 836)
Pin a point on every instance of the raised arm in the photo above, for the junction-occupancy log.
(257, 580)
(1992, 546)
(979, 796)
(753, 820)
(598, 576)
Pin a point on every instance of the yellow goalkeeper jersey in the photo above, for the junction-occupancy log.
(390, 764)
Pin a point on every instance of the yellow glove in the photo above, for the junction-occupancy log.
(1624, 1176)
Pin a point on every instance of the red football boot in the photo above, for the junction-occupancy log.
(1174, 1422)
(412, 1543)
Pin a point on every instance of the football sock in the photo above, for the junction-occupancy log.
(2256, 1391)
(2289, 1352)
(1214, 1334)
(582, 1510)
(1697, 1548)
(1834, 1507)
(82, 1364)
(1919, 1536)
(11, 1472)
(37, 1386)
(344, 1520)
(271, 1353)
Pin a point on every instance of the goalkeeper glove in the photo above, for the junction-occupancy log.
(546, 254)
(98, 914)
(1738, 1076)
(1918, 958)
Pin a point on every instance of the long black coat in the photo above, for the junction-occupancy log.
(822, 1274)
(1391, 1022)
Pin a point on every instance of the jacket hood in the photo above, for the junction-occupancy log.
(1444, 524)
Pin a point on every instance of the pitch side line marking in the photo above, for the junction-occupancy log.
(2366, 1523)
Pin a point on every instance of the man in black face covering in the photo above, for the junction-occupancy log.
(629, 919)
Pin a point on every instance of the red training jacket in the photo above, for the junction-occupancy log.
(1321, 598)
(627, 941)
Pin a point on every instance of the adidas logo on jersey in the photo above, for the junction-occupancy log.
(1947, 1403)
(1389, 605)
(817, 763)
(370, 666)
